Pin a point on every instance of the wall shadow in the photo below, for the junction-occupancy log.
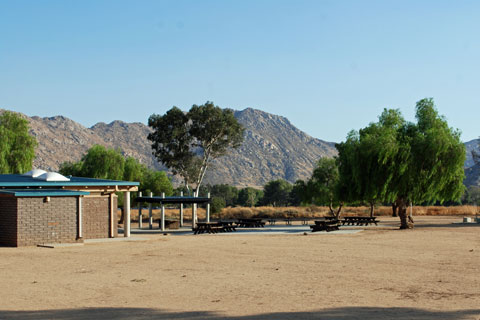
(348, 313)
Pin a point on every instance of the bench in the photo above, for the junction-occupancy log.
(325, 225)
(250, 223)
(359, 221)
(208, 227)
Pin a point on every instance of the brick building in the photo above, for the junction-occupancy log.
(45, 207)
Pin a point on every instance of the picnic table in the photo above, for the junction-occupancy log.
(359, 221)
(228, 226)
(325, 225)
(250, 223)
(208, 227)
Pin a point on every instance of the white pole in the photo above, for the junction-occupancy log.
(140, 216)
(163, 213)
(181, 210)
(113, 216)
(126, 207)
(195, 194)
(150, 214)
(208, 208)
(80, 218)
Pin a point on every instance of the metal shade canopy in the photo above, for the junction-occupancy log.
(173, 199)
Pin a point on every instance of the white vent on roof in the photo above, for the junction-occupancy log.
(35, 173)
(52, 176)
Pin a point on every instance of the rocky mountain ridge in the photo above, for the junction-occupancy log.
(273, 147)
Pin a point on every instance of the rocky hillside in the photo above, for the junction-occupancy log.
(470, 146)
(273, 147)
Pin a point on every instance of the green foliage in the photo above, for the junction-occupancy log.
(188, 142)
(17, 147)
(395, 160)
(298, 193)
(156, 182)
(249, 197)
(103, 163)
(471, 195)
(226, 192)
(217, 204)
(276, 193)
(324, 187)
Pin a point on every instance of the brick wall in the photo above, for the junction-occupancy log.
(8, 221)
(96, 217)
(46, 222)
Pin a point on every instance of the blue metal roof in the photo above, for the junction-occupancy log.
(18, 180)
(43, 192)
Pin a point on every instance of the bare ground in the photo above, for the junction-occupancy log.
(431, 272)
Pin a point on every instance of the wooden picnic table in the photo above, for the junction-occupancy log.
(228, 226)
(250, 223)
(208, 227)
(325, 225)
(359, 221)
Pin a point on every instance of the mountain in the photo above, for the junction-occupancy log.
(472, 176)
(473, 145)
(273, 147)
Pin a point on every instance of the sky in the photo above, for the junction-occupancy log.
(327, 66)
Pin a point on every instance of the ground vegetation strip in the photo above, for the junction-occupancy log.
(430, 272)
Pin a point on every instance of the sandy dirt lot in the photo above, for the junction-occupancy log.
(431, 272)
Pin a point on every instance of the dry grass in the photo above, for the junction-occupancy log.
(305, 212)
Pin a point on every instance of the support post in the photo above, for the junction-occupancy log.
(126, 208)
(194, 208)
(113, 216)
(163, 213)
(208, 208)
(150, 214)
(80, 218)
(140, 216)
(181, 210)
(194, 225)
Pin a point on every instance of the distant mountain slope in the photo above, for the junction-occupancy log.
(470, 146)
(273, 147)
(472, 176)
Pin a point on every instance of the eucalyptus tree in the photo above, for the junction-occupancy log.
(17, 146)
(187, 143)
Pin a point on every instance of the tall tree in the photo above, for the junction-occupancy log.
(249, 197)
(188, 142)
(17, 146)
(406, 162)
(276, 193)
(323, 186)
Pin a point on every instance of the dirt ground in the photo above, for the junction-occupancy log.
(430, 272)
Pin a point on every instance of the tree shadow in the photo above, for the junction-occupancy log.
(348, 313)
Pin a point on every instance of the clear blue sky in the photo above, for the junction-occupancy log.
(328, 66)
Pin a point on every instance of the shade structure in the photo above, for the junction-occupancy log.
(184, 200)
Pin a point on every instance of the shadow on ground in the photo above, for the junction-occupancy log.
(147, 314)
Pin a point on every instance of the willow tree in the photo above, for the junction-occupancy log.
(404, 162)
(187, 143)
(323, 187)
(17, 146)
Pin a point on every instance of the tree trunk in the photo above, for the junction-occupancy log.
(394, 209)
(402, 213)
(372, 208)
(339, 211)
